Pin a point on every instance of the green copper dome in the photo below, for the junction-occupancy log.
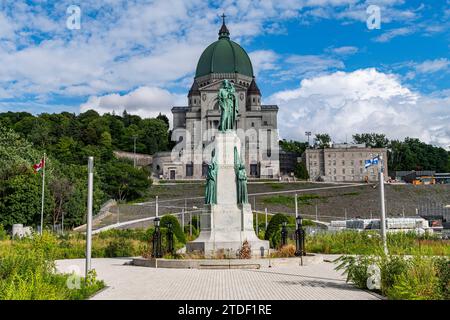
(224, 56)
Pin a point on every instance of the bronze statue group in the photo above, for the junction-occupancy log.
(229, 110)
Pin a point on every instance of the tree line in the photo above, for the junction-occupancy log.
(68, 140)
(409, 154)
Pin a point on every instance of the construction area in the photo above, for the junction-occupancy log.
(321, 202)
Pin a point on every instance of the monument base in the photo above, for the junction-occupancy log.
(226, 227)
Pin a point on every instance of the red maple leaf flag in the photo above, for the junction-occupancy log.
(37, 167)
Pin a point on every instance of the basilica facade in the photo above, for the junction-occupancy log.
(195, 125)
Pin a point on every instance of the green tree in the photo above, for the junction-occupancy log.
(373, 140)
(323, 140)
(274, 225)
(300, 171)
(293, 146)
(123, 181)
(176, 227)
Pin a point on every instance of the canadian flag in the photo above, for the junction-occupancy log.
(37, 167)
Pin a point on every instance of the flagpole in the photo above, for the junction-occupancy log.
(42, 197)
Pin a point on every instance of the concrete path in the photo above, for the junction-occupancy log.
(314, 282)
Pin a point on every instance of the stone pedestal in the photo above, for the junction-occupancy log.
(226, 225)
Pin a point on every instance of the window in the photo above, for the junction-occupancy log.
(360, 162)
(254, 100)
(352, 162)
(265, 123)
(253, 124)
(343, 162)
(253, 169)
(360, 170)
(353, 171)
(189, 169)
(334, 162)
(343, 171)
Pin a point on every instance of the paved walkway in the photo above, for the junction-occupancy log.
(314, 282)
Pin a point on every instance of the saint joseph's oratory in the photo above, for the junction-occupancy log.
(195, 125)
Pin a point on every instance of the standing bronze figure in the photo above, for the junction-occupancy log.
(211, 181)
(228, 106)
(241, 178)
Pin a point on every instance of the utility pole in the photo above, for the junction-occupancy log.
(266, 218)
(134, 150)
(383, 207)
(42, 196)
(182, 219)
(89, 214)
(257, 227)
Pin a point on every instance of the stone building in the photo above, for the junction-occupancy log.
(195, 125)
(343, 163)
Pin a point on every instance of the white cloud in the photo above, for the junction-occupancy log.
(263, 60)
(388, 35)
(430, 66)
(146, 102)
(302, 66)
(345, 50)
(366, 100)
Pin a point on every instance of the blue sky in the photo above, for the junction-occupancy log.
(316, 59)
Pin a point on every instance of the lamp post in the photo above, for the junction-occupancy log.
(308, 134)
(156, 241)
(170, 238)
(299, 238)
(283, 234)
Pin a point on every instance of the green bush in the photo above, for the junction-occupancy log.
(275, 240)
(119, 248)
(420, 282)
(178, 232)
(443, 273)
(195, 232)
(3, 234)
(355, 268)
(164, 242)
(407, 278)
(391, 267)
(275, 224)
(27, 272)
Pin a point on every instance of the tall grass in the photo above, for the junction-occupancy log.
(369, 242)
(27, 272)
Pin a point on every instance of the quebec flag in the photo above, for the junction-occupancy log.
(370, 162)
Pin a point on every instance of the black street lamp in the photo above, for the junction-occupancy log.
(299, 238)
(156, 241)
(284, 234)
(170, 238)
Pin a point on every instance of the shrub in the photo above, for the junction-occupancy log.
(3, 234)
(355, 268)
(442, 266)
(27, 272)
(275, 240)
(178, 232)
(119, 248)
(418, 283)
(285, 251)
(274, 225)
(391, 267)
